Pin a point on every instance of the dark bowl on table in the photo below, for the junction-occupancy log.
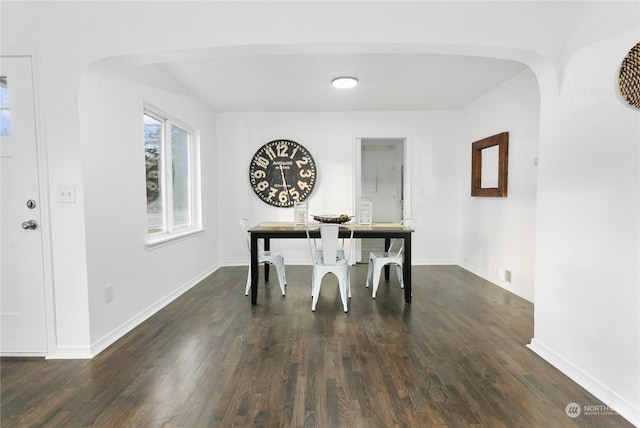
(339, 219)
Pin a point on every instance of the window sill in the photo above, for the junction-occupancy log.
(161, 241)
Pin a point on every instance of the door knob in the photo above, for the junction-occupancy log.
(30, 224)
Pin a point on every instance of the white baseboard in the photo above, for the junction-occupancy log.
(71, 353)
(502, 284)
(132, 323)
(23, 354)
(433, 262)
(629, 411)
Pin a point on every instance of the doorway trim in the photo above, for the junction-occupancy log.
(357, 170)
(357, 173)
(43, 182)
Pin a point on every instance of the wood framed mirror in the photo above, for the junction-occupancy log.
(490, 166)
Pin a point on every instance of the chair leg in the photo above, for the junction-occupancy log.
(284, 274)
(281, 277)
(399, 272)
(369, 272)
(343, 284)
(376, 280)
(315, 291)
(248, 287)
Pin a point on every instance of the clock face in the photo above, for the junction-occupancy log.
(282, 172)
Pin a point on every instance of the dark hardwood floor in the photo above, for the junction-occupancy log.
(455, 358)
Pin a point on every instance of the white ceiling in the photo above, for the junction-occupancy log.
(302, 82)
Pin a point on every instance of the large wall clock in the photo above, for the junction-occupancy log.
(282, 172)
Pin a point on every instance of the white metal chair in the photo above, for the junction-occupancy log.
(327, 258)
(274, 258)
(393, 255)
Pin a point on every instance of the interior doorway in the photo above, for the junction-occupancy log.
(381, 177)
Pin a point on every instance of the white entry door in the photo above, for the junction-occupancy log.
(22, 292)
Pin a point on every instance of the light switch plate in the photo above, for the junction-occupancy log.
(67, 194)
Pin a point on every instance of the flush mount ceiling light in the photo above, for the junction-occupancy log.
(344, 82)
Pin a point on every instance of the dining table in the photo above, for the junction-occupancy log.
(290, 230)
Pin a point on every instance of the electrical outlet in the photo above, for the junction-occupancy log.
(108, 293)
(504, 274)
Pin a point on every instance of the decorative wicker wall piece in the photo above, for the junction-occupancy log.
(629, 79)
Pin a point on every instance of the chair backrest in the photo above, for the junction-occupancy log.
(329, 238)
(328, 243)
(246, 225)
(397, 245)
(364, 211)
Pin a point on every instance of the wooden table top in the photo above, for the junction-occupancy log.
(289, 226)
(292, 230)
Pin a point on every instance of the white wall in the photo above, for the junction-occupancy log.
(586, 275)
(331, 138)
(588, 232)
(500, 232)
(143, 280)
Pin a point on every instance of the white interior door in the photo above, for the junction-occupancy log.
(22, 292)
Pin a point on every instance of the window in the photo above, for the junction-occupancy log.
(5, 113)
(170, 159)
